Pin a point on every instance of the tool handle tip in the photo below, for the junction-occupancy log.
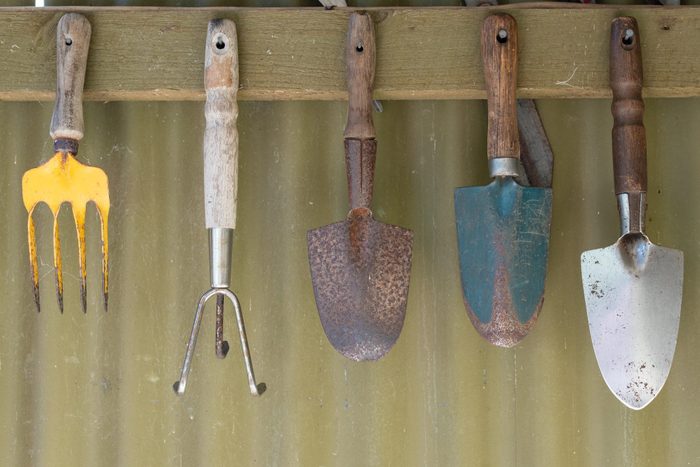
(628, 134)
(499, 52)
(221, 134)
(360, 57)
(72, 45)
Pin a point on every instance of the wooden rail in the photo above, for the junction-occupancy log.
(295, 54)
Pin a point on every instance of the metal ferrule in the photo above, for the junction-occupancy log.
(220, 248)
(65, 145)
(504, 167)
(632, 207)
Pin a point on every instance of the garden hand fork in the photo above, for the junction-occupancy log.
(62, 179)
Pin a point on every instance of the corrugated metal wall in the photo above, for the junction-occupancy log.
(96, 390)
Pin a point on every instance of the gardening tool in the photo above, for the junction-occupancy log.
(632, 288)
(220, 190)
(502, 228)
(535, 151)
(360, 267)
(62, 179)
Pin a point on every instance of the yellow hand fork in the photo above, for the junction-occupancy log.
(62, 179)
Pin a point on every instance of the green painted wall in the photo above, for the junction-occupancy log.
(95, 389)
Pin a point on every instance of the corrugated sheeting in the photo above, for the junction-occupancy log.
(96, 390)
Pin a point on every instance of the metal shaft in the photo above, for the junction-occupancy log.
(632, 207)
(220, 249)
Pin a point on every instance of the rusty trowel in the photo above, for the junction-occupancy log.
(632, 288)
(502, 228)
(360, 267)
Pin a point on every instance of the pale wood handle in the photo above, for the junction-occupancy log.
(499, 52)
(72, 45)
(221, 134)
(359, 59)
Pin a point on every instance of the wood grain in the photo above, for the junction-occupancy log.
(72, 46)
(291, 54)
(360, 57)
(221, 134)
(499, 51)
(628, 135)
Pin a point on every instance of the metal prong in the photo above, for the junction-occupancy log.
(105, 253)
(255, 389)
(221, 345)
(33, 263)
(180, 385)
(58, 265)
(79, 216)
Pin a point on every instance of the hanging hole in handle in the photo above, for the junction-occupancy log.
(220, 42)
(360, 47)
(69, 41)
(502, 36)
(628, 39)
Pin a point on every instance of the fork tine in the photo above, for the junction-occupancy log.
(103, 212)
(57, 260)
(33, 263)
(79, 216)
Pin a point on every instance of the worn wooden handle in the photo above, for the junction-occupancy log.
(72, 45)
(628, 135)
(499, 53)
(221, 134)
(359, 59)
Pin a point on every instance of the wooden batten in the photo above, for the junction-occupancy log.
(297, 54)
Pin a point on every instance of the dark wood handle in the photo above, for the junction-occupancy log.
(360, 142)
(72, 46)
(499, 53)
(628, 135)
(359, 59)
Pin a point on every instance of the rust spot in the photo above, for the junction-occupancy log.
(504, 329)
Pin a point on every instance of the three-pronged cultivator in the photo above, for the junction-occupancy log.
(62, 179)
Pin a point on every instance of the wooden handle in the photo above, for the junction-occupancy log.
(499, 52)
(221, 134)
(72, 45)
(628, 135)
(359, 59)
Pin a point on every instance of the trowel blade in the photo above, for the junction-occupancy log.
(633, 292)
(360, 270)
(503, 239)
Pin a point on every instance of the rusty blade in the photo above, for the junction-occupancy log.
(360, 270)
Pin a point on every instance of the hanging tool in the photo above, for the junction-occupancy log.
(62, 179)
(502, 228)
(535, 151)
(360, 267)
(633, 288)
(220, 190)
